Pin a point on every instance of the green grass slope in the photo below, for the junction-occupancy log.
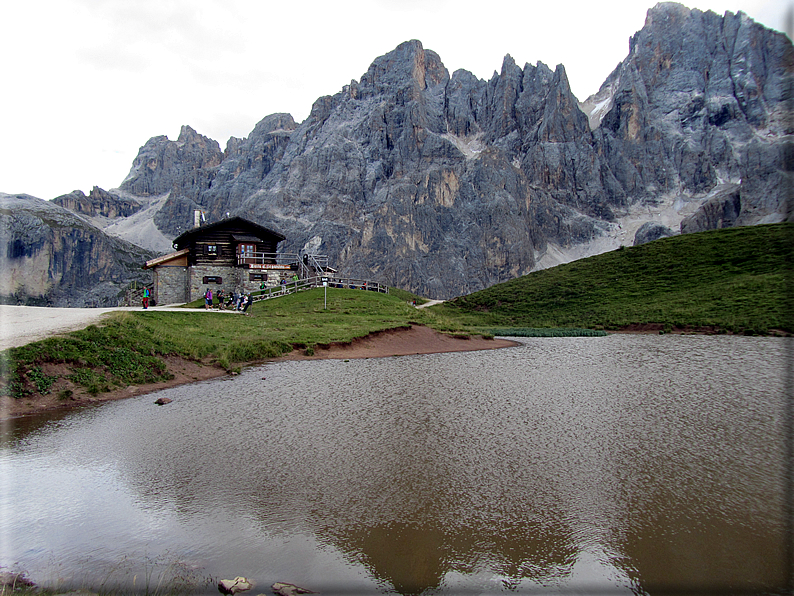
(128, 348)
(734, 280)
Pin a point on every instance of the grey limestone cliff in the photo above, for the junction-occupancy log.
(52, 257)
(445, 184)
(99, 202)
(701, 100)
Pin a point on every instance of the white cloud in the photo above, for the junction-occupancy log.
(87, 82)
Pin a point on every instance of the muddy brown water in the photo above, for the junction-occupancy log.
(630, 464)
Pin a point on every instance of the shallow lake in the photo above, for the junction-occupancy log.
(633, 464)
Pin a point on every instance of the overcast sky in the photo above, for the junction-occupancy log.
(88, 82)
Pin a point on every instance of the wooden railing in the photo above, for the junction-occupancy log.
(291, 287)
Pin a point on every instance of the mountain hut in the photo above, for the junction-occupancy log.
(231, 254)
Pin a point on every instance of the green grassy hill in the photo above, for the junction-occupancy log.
(129, 348)
(734, 280)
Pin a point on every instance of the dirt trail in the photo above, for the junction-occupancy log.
(430, 303)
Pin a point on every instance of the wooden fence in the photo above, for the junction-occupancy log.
(291, 287)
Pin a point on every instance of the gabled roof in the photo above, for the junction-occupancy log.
(255, 229)
(165, 258)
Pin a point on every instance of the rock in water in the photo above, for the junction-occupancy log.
(233, 586)
(284, 589)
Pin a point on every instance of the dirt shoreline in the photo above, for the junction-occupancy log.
(403, 341)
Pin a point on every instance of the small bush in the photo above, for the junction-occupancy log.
(93, 381)
(40, 380)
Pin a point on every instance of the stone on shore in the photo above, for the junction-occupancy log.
(163, 400)
(232, 586)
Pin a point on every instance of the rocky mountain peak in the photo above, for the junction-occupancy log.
(274, 122)
(509, 67)
(196, 142)
(408, 64)
(163, 166)
(444, 185)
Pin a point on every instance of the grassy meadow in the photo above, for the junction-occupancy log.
(732, 281)
(736, 280)
(129, 348)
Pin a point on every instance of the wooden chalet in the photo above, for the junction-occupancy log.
(231, 254)
(229, 243)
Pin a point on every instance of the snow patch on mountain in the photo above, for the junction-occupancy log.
(668, 210)
(597, 106)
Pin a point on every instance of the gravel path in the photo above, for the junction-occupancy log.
(20, 325)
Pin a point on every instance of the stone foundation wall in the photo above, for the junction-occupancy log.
(230, 277)
(170, 285)
(233, 278)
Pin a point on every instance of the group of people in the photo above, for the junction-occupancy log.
(284, 282)
(239, 301)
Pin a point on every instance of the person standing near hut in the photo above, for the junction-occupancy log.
(208, 299)
(145, 297)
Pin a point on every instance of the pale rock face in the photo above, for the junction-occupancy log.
(53, 257)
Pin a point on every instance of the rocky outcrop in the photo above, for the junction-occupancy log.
(99, 202)
(50, 256)
(721, 211)
(650, 231)
(444, 185)
(699, 101)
